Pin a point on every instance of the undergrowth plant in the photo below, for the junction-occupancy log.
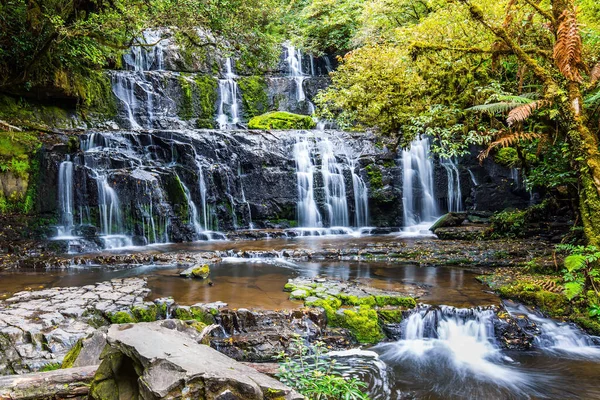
(311, 372)
(581, 273)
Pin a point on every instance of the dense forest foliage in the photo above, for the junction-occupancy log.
(518, 77)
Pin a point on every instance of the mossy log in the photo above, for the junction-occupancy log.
(72, 383)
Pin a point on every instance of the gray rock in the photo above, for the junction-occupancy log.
(153, 362)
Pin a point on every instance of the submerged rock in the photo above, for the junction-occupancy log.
(197, 271)
(149, 361)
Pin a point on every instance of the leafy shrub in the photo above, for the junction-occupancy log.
(310, 372)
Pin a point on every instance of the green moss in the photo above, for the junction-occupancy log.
(145, 313)
(201, 271)
(254, 95)
(206, 94)
(97, 95)
(390, 316)
(177, 197)
(375, 177)
(121, 317)
(281, 120)
(72, 355)
(19, 156)
(363, 323)
(507, 157)
(50, 367)
(554, 304)
(186, 106)
(406, 302)
(194, 313)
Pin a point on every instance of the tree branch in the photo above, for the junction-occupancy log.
(548, 15)
(417, 48)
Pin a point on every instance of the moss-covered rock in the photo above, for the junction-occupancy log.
(19, 168)
(281, 120)
(72, 355)
(121, 317)
(201, 271)
(359, 309)
(254, 95)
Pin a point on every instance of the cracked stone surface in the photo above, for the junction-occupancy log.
(38, 328)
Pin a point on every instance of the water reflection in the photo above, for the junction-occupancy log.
(258, 283)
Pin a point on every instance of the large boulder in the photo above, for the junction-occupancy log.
(451, 219)
(148, 361)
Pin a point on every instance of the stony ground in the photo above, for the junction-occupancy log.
(39, 327)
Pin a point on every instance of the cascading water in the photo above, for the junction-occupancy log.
(334, 186)
(294, 62)
(453, 350)
(454, 192)
(228, 111)
(562, 338)
(65, 198)
(333, 161)
(308, 213)
(128, 85)
(420, 208)
(244, 200)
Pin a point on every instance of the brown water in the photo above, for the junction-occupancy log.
(258, 283)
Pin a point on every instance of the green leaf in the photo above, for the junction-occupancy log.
(575, 262)
(573, 289)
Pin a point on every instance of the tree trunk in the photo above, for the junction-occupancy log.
(72, 383)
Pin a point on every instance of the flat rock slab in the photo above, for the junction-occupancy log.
(148, 361)
(39, 327)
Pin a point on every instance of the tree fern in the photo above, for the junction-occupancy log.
(567, 49)
(592, 99)
(508, 139)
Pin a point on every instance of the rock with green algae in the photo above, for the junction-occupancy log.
(281, 120)
(360, 309)
(197, 271)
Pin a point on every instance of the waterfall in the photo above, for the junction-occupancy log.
(417, 171)
(456, 342)
(193, 210)
(515, 176)
(111, 223)
(454, 192)
(336, 162)
(127, 85)
(557, 337)
(308, 213)
(294, 61)
(228, 111)
(333, 183)
(65, 197)
(244, 200)
(472, 175)
(123, 85)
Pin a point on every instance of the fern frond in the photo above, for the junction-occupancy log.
(521, 113)
(595, 74)
(521, 99)
(567, 49)
(508, 139)
(494, 108)
(592, 99)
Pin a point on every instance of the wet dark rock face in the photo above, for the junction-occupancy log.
(170, 182)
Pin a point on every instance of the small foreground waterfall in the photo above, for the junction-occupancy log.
(65, 198)
(420, 208)
(228, 112)
(563, 338)
(454, 350)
